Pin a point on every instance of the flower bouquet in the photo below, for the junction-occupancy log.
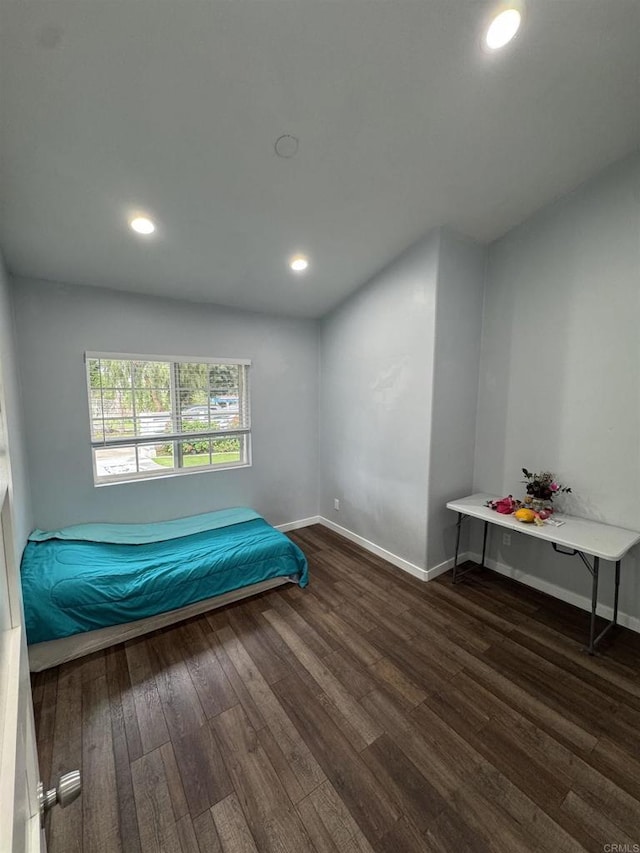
(537, 505)
(542, 487)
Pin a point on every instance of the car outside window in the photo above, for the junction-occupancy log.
(154, 416)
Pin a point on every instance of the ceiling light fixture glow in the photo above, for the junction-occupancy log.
(142, 225)
(503, 28)
(299, 263)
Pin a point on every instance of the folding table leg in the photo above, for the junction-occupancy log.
(455, 559)
(615, 600)
(594, 604)
(484, 543)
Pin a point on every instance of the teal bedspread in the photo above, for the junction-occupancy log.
(71, 585)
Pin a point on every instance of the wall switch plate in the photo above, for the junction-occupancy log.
(336, 503)
(506, 539)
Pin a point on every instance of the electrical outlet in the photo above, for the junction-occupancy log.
(506, 539)
(336, 503)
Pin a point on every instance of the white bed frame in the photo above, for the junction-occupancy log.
(54, 652)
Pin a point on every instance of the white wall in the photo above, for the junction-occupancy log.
(375, 404)
(57, 323)
(455, 388)
(21, 501)
(560, 367)
(559, 388)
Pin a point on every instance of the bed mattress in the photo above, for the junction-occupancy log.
(91, 576)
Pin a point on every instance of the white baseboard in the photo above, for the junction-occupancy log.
(441, 568)
(400, 562)
(389, 556)
(302, 522)
(560, 592)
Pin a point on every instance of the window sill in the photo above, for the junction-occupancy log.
(184, 472)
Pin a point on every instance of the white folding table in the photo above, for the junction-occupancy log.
(576, 537)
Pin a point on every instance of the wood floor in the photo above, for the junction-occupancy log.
(369, 712)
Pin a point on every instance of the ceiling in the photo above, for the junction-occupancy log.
(172, 108)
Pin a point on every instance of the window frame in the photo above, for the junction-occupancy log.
(175, 436)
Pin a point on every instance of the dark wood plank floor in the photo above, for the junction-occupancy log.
(369, 712)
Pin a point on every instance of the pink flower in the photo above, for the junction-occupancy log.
(554, 487)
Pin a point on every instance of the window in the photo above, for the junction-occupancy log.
(158, 415)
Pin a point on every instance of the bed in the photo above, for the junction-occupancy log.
(89, 586)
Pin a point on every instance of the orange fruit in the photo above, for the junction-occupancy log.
(526, 515)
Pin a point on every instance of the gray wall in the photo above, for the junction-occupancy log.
(57, 323)
(558, 388)
(21, 501)
(375, 404)
(560, 368)
(455, 388)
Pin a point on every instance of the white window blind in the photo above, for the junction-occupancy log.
(160, 415)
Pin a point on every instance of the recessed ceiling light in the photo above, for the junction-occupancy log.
(503, 28)
(142, 225)
(299, 263)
